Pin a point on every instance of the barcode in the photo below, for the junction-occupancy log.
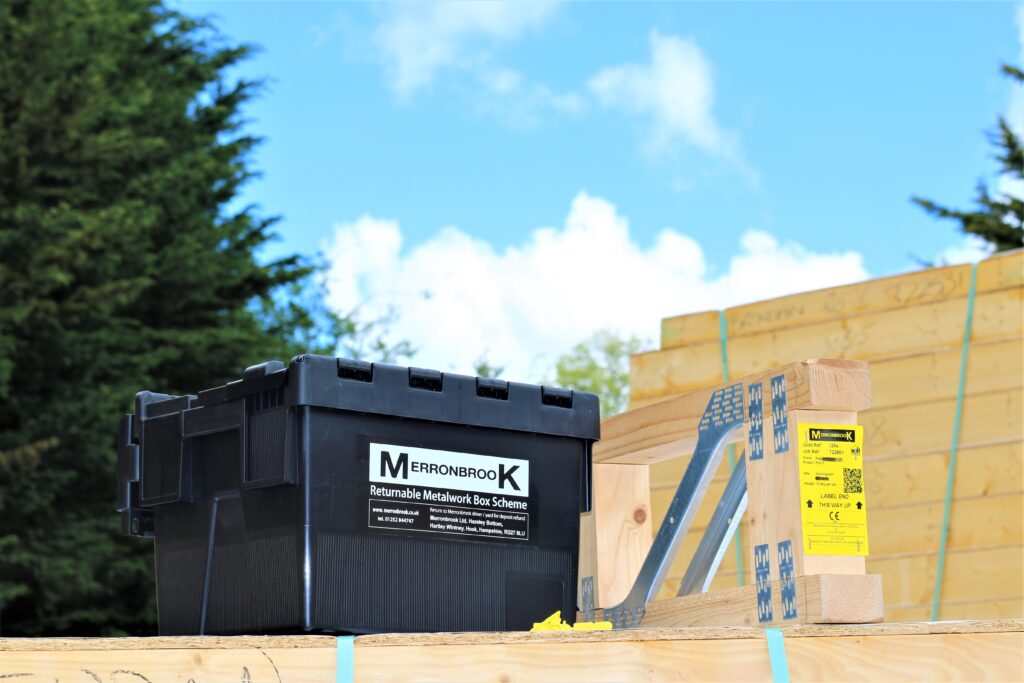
(852, 482)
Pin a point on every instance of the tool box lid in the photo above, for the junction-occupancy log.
(383, 389)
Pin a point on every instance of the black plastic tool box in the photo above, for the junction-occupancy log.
(341, 496)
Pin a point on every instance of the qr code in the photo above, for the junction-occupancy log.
(852, 482)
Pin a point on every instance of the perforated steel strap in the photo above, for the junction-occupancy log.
(719, 533)
(722, 417)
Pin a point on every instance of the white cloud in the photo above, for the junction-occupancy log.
(520, 102)
(970, 250)
(1015, 112)
(1008, 185)
(675, 90)
(502, 80)
(420, 39)
(524, 305)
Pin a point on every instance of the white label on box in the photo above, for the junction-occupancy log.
(436, 469)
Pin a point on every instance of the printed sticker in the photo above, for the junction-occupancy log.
(833, 508)
(446, 492)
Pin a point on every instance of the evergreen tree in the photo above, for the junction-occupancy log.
(122, 268)
(999, 220)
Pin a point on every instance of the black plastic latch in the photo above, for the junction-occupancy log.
(143, 399)
(137, 522)
(554, 396)
(263, 369)
(488, 387)
(358, 370)
(431, 380)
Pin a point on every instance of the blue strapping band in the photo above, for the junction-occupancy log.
(346, 659)
(777, 655)
(723, 335)
(955, 446)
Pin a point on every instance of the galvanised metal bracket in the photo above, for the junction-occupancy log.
(723, 415)
(719, 533)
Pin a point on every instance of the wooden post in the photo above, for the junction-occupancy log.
(622, 495)
(775, 542)
(617, 531)
(773, 485)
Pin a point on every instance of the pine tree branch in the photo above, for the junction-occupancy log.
(1012, 154)
(1013, 72)
(999, 220)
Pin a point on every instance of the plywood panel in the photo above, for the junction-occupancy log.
(252, 665)
(880, 658)
(867, 653)
(878, 652)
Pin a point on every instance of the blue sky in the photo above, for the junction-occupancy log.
(725, 151)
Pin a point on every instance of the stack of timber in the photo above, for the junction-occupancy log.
(970, 651)
(911, 328)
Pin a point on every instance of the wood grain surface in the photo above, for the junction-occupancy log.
(992, 651)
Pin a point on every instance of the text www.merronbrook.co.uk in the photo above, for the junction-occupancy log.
(448, 519)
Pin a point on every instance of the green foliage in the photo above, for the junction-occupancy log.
(122, 268)
(482, 367)
(999, 220)
(600, 364)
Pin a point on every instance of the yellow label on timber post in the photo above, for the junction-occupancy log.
(833, 510)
